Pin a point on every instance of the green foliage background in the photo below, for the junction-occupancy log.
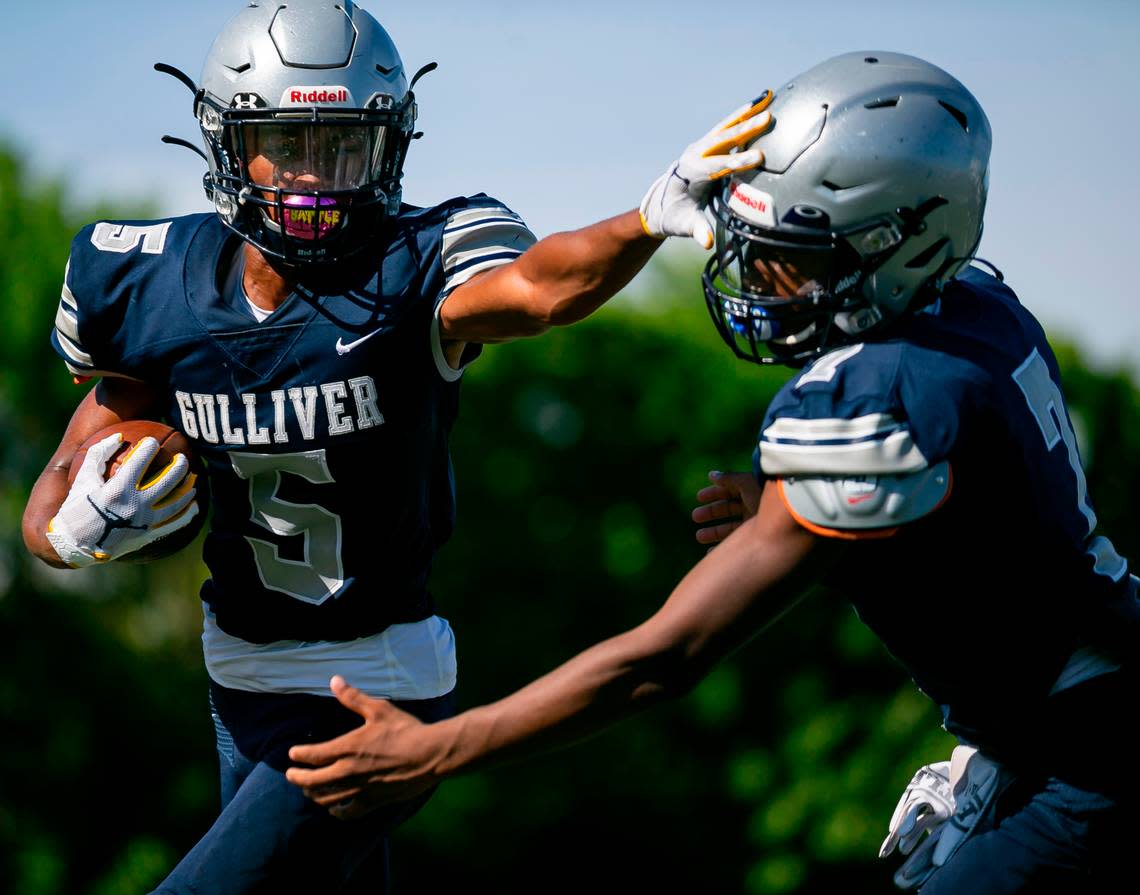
(577, 458)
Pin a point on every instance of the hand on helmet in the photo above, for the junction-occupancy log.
(674, 205)
(103, 520)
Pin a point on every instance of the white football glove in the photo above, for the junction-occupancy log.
(974, 783)
(103, 520)
(674, 205)
(925, 804)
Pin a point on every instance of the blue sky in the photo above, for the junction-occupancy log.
(568, 111)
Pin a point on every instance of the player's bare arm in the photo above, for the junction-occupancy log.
(558, 281)
(567, 276)
(759, 572)
(112, 400)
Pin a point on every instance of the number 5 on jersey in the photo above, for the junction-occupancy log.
(321, 573)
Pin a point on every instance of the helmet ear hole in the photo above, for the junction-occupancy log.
(923, 258)
(807, 216)
(958, 114)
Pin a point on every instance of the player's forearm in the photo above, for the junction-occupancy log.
(44, 502)
(591, 692)
(754, 577)
(572, 274)
(559, 280)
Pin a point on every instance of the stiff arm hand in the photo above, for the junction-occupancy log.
(675, 203)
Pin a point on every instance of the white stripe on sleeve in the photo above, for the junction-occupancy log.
(876, 444)
(478, 239)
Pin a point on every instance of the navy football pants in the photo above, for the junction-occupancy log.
(268, 837)
(1059, 838)
(1070, 826)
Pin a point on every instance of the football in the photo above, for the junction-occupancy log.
(170, 442)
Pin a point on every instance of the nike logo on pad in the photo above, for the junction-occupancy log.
(342, 348)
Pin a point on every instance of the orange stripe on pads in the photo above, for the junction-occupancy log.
(865, 535)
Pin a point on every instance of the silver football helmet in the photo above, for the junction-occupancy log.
(306, 114)
(870, 198)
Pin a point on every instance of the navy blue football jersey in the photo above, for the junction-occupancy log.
(991, 590)
(324, 428)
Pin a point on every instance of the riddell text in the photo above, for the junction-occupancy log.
(758, 204)
(319, 96)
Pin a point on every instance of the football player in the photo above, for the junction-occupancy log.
(309, 336)
(921, 461)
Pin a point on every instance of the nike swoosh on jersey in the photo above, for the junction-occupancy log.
(342, 348)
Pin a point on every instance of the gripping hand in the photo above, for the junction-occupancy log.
(926, 803)
(104, 520)
(951, 802)
(674, 205)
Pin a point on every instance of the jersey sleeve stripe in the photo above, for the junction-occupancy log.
(79, 370)
(462, 260)
(478, 239)
(897, 453)
(836, 429)
(68, 299)
(487, 234)
(472, 215)
(71, 351)
(482, 222)
(477, 265)
(67, 322)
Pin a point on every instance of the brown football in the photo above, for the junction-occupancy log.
(170, 443)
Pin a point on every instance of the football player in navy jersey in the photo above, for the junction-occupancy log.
(309, 337)
(921, 462)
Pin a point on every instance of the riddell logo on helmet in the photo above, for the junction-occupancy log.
(751, 204)
(316, 95)
(751, 201)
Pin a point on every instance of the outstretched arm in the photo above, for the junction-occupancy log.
(559, 280)
(567, 276)
(757, 574)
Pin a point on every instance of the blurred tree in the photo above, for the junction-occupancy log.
(577, 456)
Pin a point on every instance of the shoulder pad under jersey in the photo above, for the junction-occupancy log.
(864, 506)
(874, 408)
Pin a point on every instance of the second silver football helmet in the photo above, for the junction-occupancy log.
(870, 197)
